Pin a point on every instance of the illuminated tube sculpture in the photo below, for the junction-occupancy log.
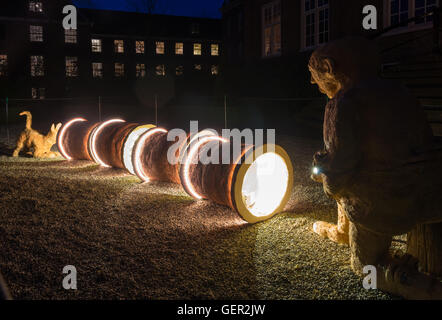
(108, 143)
(257, 184)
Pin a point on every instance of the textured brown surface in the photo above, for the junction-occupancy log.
(109, 143)
(154, 159)
(76, 138)
(213, 181)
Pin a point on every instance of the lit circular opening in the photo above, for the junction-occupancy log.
(61, 137)
(192, 152)
(140, 145)
(93, 141)
(129, 146)
(265, 184)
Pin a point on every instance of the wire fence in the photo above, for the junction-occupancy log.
(217, 112)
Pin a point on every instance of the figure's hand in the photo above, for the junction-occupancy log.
(317, 177)
(317, 167)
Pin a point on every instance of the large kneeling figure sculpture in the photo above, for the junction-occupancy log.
(381, 165)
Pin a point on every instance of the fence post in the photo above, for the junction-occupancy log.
(7, 119)
(99, 108)
(156, 109)
(225, 111)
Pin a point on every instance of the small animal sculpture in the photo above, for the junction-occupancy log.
(37, 145)
(378, 163)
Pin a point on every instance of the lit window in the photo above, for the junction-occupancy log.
(38, 93)
(315, 23)
(139, 46)
(198, 67)
(35, 6)
(179, 48)
(140, 70)
(197, 49)
(119, 69)
(159, 47)
(271, 32)
(71, 66)
(214, 49)
(36, 33)
(96, 45)
(119, 46)
(214, 70)
(97, 70)
(37, 66)
(70, 36)
(3, 65)
(179, 71)
(160, 70)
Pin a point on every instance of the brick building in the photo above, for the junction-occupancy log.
(111, 53)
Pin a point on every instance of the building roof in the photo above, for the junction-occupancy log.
(151, 25)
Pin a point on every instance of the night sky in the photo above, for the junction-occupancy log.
(190, 8)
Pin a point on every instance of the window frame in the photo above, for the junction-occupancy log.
(35, 36)
(68, 36)
(272, 25)
(32, 6)
(214, 49)
(162, 69)
(179, 51)
(122, 67)
(71, 71)
(196, 51)
(4, 66)
(119, 44)
(412, 26)
(160, 47)
(100, 46)
(97, 73)
(316, 32)
(37, 70)
(140, 70)
(140, 49)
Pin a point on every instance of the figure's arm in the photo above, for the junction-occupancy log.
(343, 144)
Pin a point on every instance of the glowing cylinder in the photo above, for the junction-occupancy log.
(109, 143)
(257, 184)
(73, 139)
(150, 157)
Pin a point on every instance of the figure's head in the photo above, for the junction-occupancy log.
(340, 64)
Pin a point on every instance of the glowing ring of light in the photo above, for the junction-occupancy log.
(130, 143)
(61, 136)
(93, 141)
(191, 139)
(192, 150)
(139, 148)
(237, 190)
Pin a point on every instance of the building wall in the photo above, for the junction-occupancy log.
(345, 19)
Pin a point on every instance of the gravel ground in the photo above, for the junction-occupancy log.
(136, 241)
